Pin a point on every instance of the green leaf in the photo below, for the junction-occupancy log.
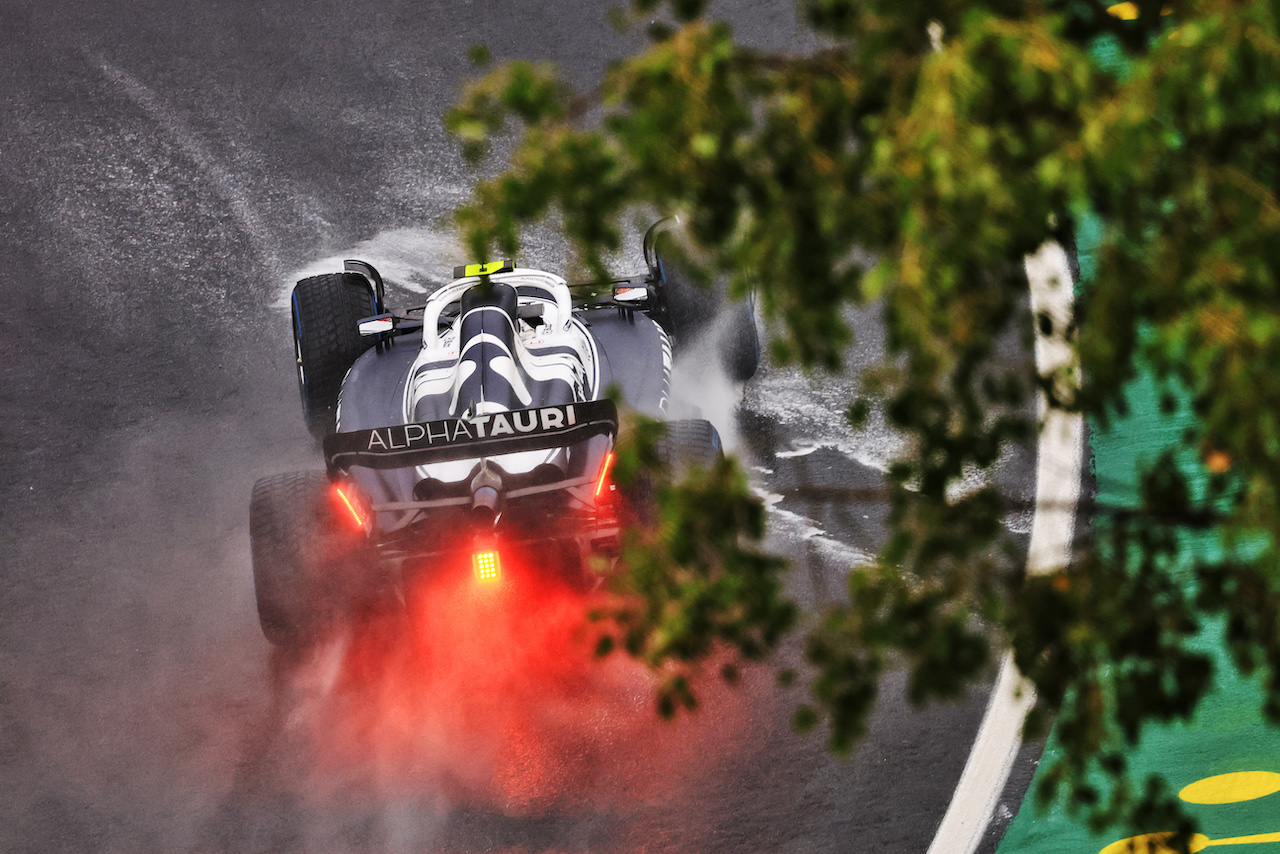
(479, 55)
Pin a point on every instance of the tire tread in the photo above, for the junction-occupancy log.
(326, 309)
(291, 529)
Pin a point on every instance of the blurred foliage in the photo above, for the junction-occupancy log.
(697, 583)
(914, 156)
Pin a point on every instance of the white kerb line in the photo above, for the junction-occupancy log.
(1059, 460)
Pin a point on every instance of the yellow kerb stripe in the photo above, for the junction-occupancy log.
(1129, 11)
(1124, 11)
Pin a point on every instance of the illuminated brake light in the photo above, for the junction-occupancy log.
(604, 473)
(352, 506)
(487, 566)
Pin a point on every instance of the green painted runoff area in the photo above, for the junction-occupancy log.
(1227, 735)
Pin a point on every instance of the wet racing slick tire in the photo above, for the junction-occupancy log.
(326, 341)
(306, 558)
(689, 443)
(740, 343)
(684, 444)
(688, 309)
(692, 312)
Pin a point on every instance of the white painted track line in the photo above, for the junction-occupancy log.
(1059, 459)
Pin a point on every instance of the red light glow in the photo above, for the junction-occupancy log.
(489, 699)
(351, 506)
(487, 566)
(604, 473)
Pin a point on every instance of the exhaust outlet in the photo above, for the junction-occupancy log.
(484, 503)
(486, 496)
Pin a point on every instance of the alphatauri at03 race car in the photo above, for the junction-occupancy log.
(473, 429)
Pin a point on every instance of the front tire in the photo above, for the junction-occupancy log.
(327, 342)
(739, 343)
(687, 309)
(689, 313)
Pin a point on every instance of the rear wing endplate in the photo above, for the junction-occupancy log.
(405, 445)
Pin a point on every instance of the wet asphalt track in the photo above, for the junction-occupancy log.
(166, 170)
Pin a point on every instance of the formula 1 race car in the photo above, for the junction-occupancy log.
(476, 428)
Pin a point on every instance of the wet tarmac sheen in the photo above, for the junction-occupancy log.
(166, 171)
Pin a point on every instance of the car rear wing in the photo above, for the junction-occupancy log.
(405, 445)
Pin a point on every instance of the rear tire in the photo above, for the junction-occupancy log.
(305, 559)
(685, 444)
(327, 342)
(690, 443)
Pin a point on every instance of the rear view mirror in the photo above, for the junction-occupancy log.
(629, 293)
(377, 324)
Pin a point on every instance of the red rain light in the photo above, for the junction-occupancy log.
(487, 566)
(604, 473)
(352, 506)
